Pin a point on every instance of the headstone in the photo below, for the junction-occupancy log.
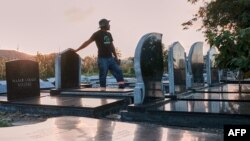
(196, 65)
(68, 70)
(212, 71)
(148, 65)
(22, 77)
(176, 69)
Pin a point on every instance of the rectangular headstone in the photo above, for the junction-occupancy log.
(177, 69)
(22, 77)
(68, 70)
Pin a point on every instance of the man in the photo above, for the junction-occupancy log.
(107, 58)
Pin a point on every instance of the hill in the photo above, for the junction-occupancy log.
(12, 54)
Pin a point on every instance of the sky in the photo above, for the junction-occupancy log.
(48, 26)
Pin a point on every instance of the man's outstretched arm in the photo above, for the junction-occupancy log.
(85, 44)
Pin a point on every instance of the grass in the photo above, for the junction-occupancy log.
(4, 122)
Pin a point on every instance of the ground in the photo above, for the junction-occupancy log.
(16, 119)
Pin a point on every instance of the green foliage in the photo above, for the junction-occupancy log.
(2, 68)
(234, 50)
(4, 122)
(226, 25)
(127, 67)
(46, 65)
(221, 15)
(89, 65)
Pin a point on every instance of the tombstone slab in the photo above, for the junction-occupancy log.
(22, 77)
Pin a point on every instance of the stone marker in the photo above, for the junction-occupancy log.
(148, 65)
(212, 71)
(176, 69)
(68, 70)
(196, 65)
(22, 77)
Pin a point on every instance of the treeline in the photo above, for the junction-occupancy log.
(47, 66)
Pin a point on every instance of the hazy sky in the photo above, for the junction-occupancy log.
(48, 26)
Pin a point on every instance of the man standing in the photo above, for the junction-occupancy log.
(107, 58)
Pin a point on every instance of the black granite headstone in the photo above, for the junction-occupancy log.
(196, 64)
(177, 69)
(68, 69)
(149, 66)
(22, 78)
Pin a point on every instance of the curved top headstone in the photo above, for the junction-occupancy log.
(196, 64)
(212, 71)
(148, 65)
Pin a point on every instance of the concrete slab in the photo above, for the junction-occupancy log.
(87, 129)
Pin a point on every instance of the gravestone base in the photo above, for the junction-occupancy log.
(54, 92)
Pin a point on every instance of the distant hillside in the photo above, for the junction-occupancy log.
(12, 54)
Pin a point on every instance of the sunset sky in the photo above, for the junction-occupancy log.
(48, 26)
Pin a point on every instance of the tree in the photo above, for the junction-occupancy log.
(221, 15)
(226, 25)
(90, 65)
(46, 65)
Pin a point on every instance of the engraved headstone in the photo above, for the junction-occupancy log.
(68, 70)
(176, 69)
(22, 77)
(196, 65)
(148, 65)
(212, 71)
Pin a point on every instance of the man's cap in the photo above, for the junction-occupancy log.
(103, 22)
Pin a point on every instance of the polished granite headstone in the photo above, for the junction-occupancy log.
(148, 65)
(68, 70)
(176, 69)
(86, 129)
(22, 77)
(196, 64)
(212, 71)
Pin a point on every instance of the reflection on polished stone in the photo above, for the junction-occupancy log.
(69, 101)
(86, 129)
(229, 88)
(218, 96)
(218, 107)
(115, 90)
